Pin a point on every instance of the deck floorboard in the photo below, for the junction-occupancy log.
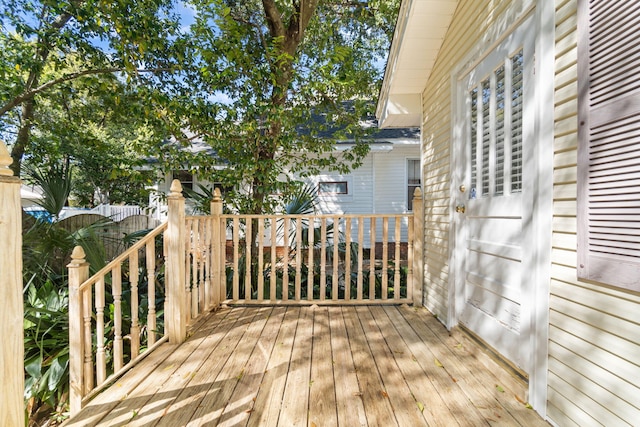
(313, 366)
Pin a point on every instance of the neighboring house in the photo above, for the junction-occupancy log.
(530, 127)
(384, 183)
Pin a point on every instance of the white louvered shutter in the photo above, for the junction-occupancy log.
(609, 142)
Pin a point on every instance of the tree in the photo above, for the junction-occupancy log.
(101, 127)
(44, 43)
(282, 81)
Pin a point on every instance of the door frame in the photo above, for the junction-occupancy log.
(539, 19)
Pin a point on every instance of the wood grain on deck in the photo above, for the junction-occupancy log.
(312, 366)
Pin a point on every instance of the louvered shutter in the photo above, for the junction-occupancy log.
(609, 142)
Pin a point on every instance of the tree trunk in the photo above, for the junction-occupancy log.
(24, 134)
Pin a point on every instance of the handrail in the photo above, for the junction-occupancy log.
(103, 342)
(124, 255)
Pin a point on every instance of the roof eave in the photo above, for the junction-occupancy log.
(417, 40)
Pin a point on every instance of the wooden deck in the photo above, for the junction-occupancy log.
(313, 366)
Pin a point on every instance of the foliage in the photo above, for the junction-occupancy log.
(44, 44)
(282, 82)
(101, 127)
(55, 183)
(46, 330)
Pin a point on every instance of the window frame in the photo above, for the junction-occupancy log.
(410, 186)
(186, 183)
(333, 193)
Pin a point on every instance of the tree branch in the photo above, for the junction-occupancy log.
(29, 94)
(276, 27)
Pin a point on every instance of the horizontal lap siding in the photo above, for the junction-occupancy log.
(471, 18)
(594, 348)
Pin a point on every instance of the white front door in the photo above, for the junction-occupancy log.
(490, 218)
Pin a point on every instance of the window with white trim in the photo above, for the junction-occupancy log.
(609, 143)
(413, 180)
(333, 187)
(185, 177)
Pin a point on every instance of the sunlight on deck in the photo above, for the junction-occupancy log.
(315, 366)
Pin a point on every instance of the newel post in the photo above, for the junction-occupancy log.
(78, 274)
(418, 247)
(218, 248)
(176, 315)
(12, 312)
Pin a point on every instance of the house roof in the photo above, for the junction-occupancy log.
(420, 30)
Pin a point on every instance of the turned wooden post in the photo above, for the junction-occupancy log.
(418, 245)
(78, 273)
(218, 248)
(12, 312)
(176, 315)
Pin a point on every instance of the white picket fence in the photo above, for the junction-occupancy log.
(114, 212)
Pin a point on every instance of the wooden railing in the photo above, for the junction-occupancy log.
(303, 259)
(319, 259)
(190, 265)
(119, 308)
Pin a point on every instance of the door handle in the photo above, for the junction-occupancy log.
(461, 208)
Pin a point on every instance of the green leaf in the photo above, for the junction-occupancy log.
(57, 371)
(420, 406)
(34, 367)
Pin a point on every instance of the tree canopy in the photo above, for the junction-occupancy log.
(268, 86)
(47, 43)
(265, 80)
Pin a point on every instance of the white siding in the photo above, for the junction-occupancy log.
(472, 18)
(360, 197)
(378, 186)
(594, 348)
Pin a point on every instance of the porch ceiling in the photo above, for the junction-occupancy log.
(420, 30)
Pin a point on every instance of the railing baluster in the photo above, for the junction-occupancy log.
(202, 255)
(135, 326)
(323, 257)
(372, 260)
(207, 265)
(336, 258)
(310, 241)
(236, 272)
(192, 291)
(224, 291)
(88, 347)
(273, 253)
(116, 289)
(360, 258)
(150, 253)
(247, 259)
(187, 268)
(285, 259)
(410, 255)
(398, 260)
(385, 257)
(101, 363)
(260, 237)
(298, 279)
(347, 259)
